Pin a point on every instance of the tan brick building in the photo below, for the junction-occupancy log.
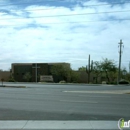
(5, 75)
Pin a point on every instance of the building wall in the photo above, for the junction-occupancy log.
(41, 70)
(20, 69)
(5, 75)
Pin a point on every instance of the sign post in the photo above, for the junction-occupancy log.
(2, 80)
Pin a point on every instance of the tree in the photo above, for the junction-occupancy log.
(65, 72)
(11, 79)
(74, 76)
(127, 77)
(82, 68)
(123, 73)
(27, 76)
(97, 69)
(61, 70)
(108, 66)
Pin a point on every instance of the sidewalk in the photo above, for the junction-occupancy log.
(58, 125)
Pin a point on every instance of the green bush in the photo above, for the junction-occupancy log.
(74, 82)
(11, 80)
(113, 83)
(90, 82)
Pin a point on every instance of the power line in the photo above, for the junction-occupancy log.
(67, 22)
(64, 15)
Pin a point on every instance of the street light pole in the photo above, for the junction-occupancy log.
(120, 54)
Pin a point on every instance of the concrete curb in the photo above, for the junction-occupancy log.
(76, 84)
(58, 125)
(5, 86)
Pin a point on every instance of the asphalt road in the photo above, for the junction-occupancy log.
(63, 102)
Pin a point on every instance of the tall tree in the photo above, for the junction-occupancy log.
(108, 66)
(65, 72)
(97, 69)
(123, 72)
(82, 68)
(74, 76)
(61, 70)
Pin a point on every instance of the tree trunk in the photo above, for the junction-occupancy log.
(107, 77)
(96, 80)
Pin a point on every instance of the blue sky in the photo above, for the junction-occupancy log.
(32, 31)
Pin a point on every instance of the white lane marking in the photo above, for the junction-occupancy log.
(94, 96)
(104, 92)
(78, 101)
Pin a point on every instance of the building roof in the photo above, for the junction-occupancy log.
(40, 63)
(21, 63)
(58, 63)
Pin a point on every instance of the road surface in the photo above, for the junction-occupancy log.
(64, 102)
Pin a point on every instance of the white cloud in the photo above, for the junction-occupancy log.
(62, 41)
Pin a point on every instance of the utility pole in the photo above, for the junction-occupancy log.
(89, 69)
(36, 67)
(120, 54)
(129, 67)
